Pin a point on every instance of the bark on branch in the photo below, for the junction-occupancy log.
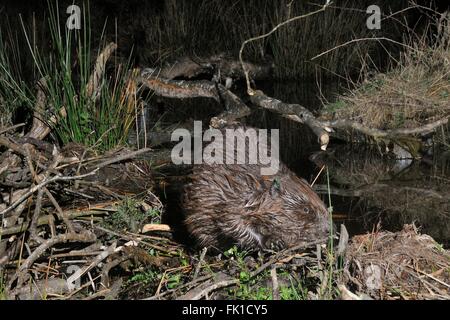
(179, 88)
(236, 109)
(295, 112)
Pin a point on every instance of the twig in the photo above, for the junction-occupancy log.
(43, 184)
(45, 220)
(121, 157)
(79, 289)
(62, 238)
(132, 239)
(107, 267)
(363, 39)
(275, 289)
(61, 213)
(99, 258)
(34, 220)
(200, 261)
(215, 286)
(2, 131)
(250, 91)
(431, 277)
(186, 285)
(318, 175)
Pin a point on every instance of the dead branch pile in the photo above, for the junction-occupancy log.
(40, 236)
(49, 201)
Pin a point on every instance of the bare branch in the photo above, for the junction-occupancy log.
(244, 67)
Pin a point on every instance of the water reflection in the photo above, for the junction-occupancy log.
(368, 190)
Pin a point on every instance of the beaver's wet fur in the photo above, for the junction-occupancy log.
(234, 204)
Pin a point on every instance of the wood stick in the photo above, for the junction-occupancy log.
(62, 238)
(43, 184)
(275, 287)
(45, 220)
(2, 131)
(297, 113)
(93, 84)
(155, 227)
(120, 158)
(246, 72)
(378, 133)
(179, 88)
(61, 213)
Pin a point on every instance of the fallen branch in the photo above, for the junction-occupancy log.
(219, 65)
(120, 158)
(323, 129)
(378, 133)
(179, 88)
(93, 85)
(297, 113)
(2, 131)
(43, 184)
(235, 108)
(45, 220)
(62, 238)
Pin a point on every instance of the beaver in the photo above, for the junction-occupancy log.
(235, 204)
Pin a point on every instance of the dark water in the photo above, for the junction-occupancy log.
(366, 189)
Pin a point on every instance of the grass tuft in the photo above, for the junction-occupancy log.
(413, 93)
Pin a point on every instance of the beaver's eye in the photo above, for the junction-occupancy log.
(306, 210)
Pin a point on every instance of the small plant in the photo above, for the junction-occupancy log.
(333, 107)
(91, 106)
(128, 216)
(248, 288)
(146, 277)
(184, 260)
(154, 215)
(174, 281)
(235, 253)
(297, 289)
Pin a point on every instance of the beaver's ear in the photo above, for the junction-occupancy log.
(275, 188)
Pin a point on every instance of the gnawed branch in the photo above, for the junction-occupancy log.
(295, 112)
(93, 86)
(179, 88)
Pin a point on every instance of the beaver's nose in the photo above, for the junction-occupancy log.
(326, 225)
(330, 228)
